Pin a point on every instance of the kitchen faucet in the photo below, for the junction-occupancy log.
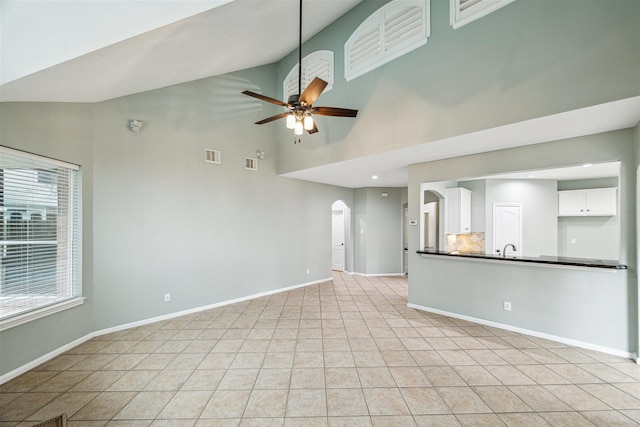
(504, 250)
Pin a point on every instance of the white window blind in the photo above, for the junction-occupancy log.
(39, 232)
(392, 31)
(463, 12)
(316, 64)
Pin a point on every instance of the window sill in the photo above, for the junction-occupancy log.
(20, 319)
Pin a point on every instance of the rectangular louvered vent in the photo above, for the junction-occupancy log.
(212, 156)
(251, 163)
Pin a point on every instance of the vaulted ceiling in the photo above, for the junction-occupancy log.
(90, 51)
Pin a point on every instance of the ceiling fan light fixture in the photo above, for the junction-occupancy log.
(299, 116)
(308, 122)
(291, 121)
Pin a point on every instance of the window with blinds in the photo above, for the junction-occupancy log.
(463, 12)
(39, 234)
(316, 64)
(392, 31)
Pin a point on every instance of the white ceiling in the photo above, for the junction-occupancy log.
(129, 47)
(191, 40)
(391, 167)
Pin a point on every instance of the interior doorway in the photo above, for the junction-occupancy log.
(507, 229)
(340, 218)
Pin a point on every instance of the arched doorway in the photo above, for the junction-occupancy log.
(340, 220)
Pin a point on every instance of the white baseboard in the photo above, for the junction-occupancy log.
(563, 340)
(42, 359)
(377, 274)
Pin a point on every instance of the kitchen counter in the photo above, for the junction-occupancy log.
(549, 260)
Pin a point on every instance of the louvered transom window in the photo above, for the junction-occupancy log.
(466, 11)
(39, 233)
(393, 30)
(316, 64)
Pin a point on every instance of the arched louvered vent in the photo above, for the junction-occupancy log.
(466, 11)
(393, 30)
(316, 64)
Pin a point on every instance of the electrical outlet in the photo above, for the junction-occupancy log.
(507, 306)
(167, 297)
(308, 271)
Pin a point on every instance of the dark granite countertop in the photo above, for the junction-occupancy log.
(553, 260)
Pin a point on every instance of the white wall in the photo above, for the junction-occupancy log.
(596, 237)
(538, 199)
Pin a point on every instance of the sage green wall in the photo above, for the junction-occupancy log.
(166, 222)
(378, 230)
(594, 307)
(157, 219)
(529, 59)
(64, 132)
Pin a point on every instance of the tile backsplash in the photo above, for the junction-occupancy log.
(470, 243)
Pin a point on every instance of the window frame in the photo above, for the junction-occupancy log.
(480, 8)
(386, 54)
(73, 249)
(309, 62)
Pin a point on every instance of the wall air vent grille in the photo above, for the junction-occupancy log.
(212, 156)
(251, 163)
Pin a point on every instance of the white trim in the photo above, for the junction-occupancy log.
(477, 11)
(39, 313)
(385, 53)
(203, 308)
(308, 62)
(38, 158)
(519, 249)
(42, 359)
(377, 274)
(562, 340)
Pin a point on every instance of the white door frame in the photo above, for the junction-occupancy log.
(340, 205)
(493, 237)
(338, 255)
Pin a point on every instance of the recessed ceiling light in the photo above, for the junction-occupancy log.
(374, 177)
(531, 176)
(587, 165)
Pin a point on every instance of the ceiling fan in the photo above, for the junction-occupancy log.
(300, 106)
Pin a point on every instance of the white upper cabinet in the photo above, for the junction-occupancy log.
(457, 211)
(592, 202)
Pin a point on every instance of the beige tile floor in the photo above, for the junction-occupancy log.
(342, 353)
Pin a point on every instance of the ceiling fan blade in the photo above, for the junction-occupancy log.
(272, 118)
(266, 98)
(335, 112)
(313, 130)
(313, 91)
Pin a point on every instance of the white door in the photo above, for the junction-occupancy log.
(507, 229)
(337, 240)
